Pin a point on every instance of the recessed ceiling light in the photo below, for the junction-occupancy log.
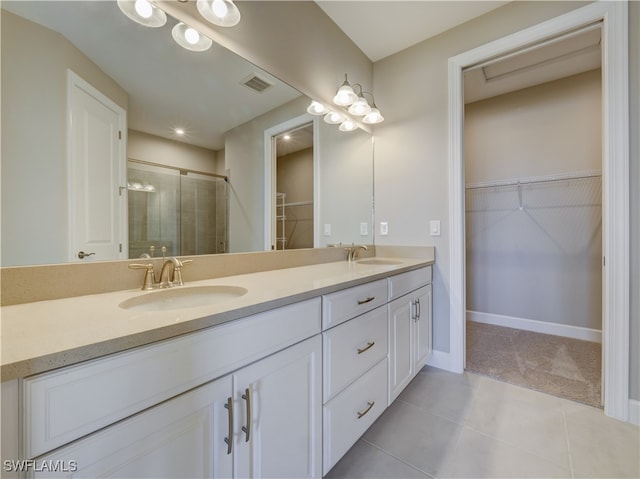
(179, 131)
(286, 137)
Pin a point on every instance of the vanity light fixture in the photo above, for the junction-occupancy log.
(223, 13)
(361, 106)
(143, 12)
(345, 95)
(347, 125)
(190, 38)
(317, 108)
(373, 117)
(334, 118)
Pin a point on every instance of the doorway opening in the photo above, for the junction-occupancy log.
(615, 187)
(533, 216)
(291, 163)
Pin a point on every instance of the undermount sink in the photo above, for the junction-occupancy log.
(182, 297)
(388, 262)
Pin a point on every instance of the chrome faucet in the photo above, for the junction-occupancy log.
(170, 274)
(353, 250)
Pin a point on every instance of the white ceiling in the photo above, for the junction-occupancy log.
(383, 27)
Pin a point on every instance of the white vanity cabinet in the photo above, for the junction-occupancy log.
(355, 366)
(410, 327)
(257, 398)
(261, 421)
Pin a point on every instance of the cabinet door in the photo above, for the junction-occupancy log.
(278, 403)
(400, 345)
(422, 326)
(183, 437)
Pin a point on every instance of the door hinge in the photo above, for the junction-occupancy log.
(604, 261)
(119, 134)
(121, 247)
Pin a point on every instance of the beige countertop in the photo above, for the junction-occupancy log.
(44, 335)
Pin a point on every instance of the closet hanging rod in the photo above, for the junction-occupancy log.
(539, 179)
(177, 168)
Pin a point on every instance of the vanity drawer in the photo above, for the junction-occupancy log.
(69, 403)
(347, 416)
(346, 304)
(404, 283)
(352, 348)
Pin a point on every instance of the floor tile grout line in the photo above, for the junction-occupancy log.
(566, 436)
(408, 464)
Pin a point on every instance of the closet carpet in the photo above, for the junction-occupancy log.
(564, 367)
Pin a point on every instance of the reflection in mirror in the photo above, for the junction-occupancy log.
(160, 88)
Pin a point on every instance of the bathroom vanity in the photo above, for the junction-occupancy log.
(277, 382)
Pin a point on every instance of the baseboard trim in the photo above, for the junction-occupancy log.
(440, 360)
(576, 332)
(634, 412)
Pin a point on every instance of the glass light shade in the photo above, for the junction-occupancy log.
(345, 95)
(347, 125)
(360, 107)
(143, 12)
(223, 13)
(333, 118)
(189, 38)
(374, 116)
(317, 108)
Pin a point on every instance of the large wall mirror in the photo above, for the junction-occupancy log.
(212, 188)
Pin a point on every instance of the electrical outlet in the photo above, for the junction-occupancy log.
(434, 227)
(327, 229)
(364, 229)
(384, 228)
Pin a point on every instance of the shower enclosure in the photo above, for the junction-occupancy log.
(184, 211)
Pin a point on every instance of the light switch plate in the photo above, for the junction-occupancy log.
(434, 227)
(327, 229)
(384, 228)
(364, 229)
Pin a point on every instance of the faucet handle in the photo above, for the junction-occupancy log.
(149, 276)
(177, 272)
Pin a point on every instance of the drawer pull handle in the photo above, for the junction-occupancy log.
(367, 347)
(247, 430)
(229, 440)
(369, 406)
(365, 301)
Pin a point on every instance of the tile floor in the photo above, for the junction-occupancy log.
(447, 425)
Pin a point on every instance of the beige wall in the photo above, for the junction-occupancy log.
(544, 260)
(34, 172)
(146, 147)
(412, 169)
(548, 129)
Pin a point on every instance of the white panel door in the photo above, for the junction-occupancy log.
(279, 405)
(400, 345)
(183, 437)
(422, 325)
(97, 170)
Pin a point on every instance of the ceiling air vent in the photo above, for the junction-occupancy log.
(256, 83)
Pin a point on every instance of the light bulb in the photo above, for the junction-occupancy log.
(347, 125)
(191, 35)
(144, 8)
(333, 118)
(374, 116)
(219, 8)
(317, 108)
(360, 107)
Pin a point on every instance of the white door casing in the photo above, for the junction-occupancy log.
(96, 149)
(615, 213)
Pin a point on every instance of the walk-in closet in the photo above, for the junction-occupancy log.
(533, 175)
